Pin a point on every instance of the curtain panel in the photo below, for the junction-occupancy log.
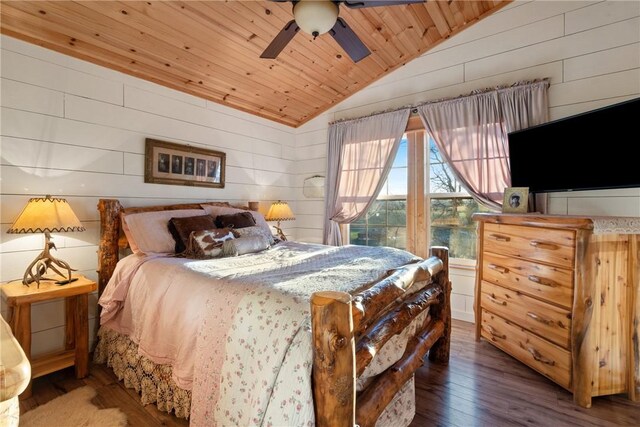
(360, 155)
(471, 134)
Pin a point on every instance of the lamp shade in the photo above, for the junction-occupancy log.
(46, 214)
(315, 17)
(279, 211)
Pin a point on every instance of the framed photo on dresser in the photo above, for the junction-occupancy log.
(516, 200)
(178, 164)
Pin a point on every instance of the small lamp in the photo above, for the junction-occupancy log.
(280, 211)
(46, 215)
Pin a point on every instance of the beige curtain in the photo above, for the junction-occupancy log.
(360, 156)
(471, 134)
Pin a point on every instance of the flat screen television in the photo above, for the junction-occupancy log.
(593, 150)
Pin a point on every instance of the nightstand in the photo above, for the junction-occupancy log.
(76, 347)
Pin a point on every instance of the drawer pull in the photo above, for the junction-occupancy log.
(540, 319)
(494, 334)
(499, 237)
(542, 281)
(540, 358)
(496, 301)
(498, 268)
(543, 245)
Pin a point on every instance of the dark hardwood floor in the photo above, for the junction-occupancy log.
(481, 386)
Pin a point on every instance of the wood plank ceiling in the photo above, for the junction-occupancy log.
(212, 49)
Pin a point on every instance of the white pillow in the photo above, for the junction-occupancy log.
(150, 232)
(214, 211)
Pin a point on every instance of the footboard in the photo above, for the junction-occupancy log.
(349, 330)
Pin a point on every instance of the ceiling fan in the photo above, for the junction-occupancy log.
(317, 17)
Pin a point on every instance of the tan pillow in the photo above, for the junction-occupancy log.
(129, 236)
(150, 230)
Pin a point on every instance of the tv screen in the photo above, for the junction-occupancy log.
(593, 150)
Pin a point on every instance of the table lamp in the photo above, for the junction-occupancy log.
(280, 211)
(46, 215)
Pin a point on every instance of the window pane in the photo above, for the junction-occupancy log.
(397, 182)
(377, 213)
(397, 212)
(452, 226)
(397, 237)
(401, 157)
(357, 235)
(376, 236)
(441, 177)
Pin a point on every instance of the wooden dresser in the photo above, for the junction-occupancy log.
(562, 295)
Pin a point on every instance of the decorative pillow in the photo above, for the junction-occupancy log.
(150, 232)
(236, 220)
(244, 245)
(214, 211)
(207, 243)
(181, 228)
(254, 231)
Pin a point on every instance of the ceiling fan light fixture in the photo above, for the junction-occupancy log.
(315, 17)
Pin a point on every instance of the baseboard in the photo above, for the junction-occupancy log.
(463, 315)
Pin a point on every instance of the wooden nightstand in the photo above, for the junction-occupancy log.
(76, 347)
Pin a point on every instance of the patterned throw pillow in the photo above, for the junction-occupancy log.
(254, 231)
(207, 243)
(181, 228)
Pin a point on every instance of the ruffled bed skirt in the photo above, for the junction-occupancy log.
(155, 385)
(151, 380)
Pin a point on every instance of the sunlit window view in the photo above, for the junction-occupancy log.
(450, 209)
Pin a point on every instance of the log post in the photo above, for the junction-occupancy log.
(442, 311)
(108, 251)
(334, 377)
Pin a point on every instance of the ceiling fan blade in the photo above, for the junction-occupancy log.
(357, 4)
(281, 40)
(349, 41)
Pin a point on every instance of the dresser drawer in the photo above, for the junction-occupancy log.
(552, 284)
(549, 322)
(541, 355)
(550, 246)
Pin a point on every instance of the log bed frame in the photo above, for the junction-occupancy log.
(348, 330)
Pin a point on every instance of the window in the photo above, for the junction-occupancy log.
(385, 223)
(449, 206)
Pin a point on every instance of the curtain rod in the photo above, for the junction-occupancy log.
(414, 107)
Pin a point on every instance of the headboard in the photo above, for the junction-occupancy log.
(112, 238)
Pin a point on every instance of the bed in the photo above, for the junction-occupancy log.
(299, 334)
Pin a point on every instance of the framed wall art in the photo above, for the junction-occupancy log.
(177, 164)
(516, 200)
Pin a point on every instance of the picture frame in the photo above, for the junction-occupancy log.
(515, 200)
(177, 164)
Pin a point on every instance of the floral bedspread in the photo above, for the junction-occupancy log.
(250, 356)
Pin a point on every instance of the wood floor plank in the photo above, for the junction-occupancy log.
(481, 386)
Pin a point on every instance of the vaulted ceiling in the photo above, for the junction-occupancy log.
(212, 49)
